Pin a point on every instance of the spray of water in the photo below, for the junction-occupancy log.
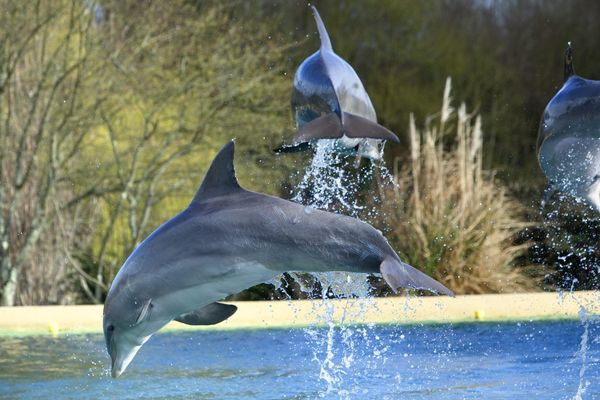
(575, 259)
(327, 183)
(582, 353)
(331, 182)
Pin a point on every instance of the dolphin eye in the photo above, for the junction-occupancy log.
(110, 328)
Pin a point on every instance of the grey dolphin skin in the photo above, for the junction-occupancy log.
(329, 101)
(229, 239)
(569, 138)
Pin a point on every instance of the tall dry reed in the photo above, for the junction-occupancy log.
(449, 217)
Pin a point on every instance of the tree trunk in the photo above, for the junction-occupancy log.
(9, 286)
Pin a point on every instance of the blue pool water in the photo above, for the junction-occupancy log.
(467, 361)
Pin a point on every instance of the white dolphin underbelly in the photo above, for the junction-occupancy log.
(238, 276)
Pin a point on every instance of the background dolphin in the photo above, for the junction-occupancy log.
(227, 240)
(330, 102)
(569, 138)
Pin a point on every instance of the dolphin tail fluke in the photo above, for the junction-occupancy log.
(330, 126)
(400, 275)
(327, 126)
(208, 315)
(359, 127)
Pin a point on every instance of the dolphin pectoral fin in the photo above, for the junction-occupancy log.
(208, 315)
(400, 275)
(327, 126)
(145, 311)
(359, 127)
(292, 149)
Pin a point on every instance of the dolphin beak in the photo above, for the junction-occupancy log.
(116, 363)
(121, 358)
(115, 371)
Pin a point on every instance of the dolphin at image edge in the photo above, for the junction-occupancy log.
(569, 138)
(229, 239)
(329, 101)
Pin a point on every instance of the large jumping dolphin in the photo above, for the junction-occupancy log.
(329, 101)
(569, 138)
(229, 239)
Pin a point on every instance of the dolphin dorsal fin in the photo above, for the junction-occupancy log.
(220, 179)
(325, 41)
(569, 69)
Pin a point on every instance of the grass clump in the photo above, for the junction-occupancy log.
(449, 217)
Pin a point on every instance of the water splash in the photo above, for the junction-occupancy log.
(571, 234)
(585, 344)
(328, 184)
(583, 349)
(346, 355)
(334, 182)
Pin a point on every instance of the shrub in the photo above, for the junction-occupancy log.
(448, 216)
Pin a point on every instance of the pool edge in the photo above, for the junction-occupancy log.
(540, 306)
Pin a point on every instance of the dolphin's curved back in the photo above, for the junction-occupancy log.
(573, 112)
(313, 92)
(574, 109)
(349, 89)
(568, 140)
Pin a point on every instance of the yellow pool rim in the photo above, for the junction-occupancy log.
(61, 320)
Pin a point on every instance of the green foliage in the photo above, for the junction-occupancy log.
(47, 107)
(160, 86)
(188, 80)
(139, 103)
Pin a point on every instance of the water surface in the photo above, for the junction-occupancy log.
(465, 361)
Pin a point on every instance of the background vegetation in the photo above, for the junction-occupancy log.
(449, 216)
(110, 112)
